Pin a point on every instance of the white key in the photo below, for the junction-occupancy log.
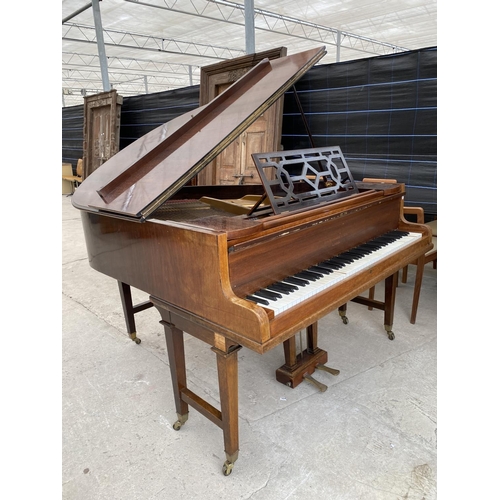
(303, 293)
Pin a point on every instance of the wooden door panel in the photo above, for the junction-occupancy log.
(263, 135)
(254, 141)
(227, 162)
(101, 125)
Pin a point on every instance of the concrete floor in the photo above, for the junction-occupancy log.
(371, 435)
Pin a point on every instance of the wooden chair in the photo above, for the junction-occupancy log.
(77, 179)
(430, 256)
(67, 186)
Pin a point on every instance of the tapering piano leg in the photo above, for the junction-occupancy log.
(390, 299)
(416, 289)
(371, 296)
(227, 368)
(177, 362)
(387, 305)
(128, 310)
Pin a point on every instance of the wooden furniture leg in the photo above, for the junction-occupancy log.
(227, 369)
(342, 313)
(391, 283)
(416, 289)
(371, 296)
(129, 309)
(387, 305)
(177, 362)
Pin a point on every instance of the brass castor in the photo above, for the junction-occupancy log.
(182, 419)
(344, 317)
(133, 337)
(227, 468)
(390, 333)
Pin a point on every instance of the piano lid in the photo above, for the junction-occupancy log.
(139, 178)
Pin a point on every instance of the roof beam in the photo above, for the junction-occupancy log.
(79, 11)
(86, 34)
(233, 13)
(144, 66)
(118, 79)
(100, 44)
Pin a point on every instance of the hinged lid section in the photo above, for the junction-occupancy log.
(135, 181)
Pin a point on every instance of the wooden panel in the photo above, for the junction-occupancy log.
(257, 138)
(183, 265)
(101, 129)
(227, 161)
(225, 169)
(254, 265)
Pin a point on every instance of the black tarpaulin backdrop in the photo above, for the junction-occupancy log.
(381, 111)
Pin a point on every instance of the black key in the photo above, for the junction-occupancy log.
(341, 258)
(337, 262)
(308, 275)
(329, 265)
(394, 234)
(268, 294)
(275, 288)
(258, 300)
(334, 262)
(399, 233)
(359, 251)
(286, 286)
(296, 281)
(381, 242)
(352, 255)
(320, 269)
(369, 246)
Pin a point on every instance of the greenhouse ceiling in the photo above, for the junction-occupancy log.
(148, 46)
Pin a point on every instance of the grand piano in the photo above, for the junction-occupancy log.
(245, 265)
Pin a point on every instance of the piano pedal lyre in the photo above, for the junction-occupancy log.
(301, 366)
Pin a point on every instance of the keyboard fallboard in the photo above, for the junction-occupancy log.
(260, 262)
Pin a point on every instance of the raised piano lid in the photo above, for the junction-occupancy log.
(135, 181)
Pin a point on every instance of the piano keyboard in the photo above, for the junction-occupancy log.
(295, 289)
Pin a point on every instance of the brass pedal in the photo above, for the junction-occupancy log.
(331, 371)
(316, 383)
